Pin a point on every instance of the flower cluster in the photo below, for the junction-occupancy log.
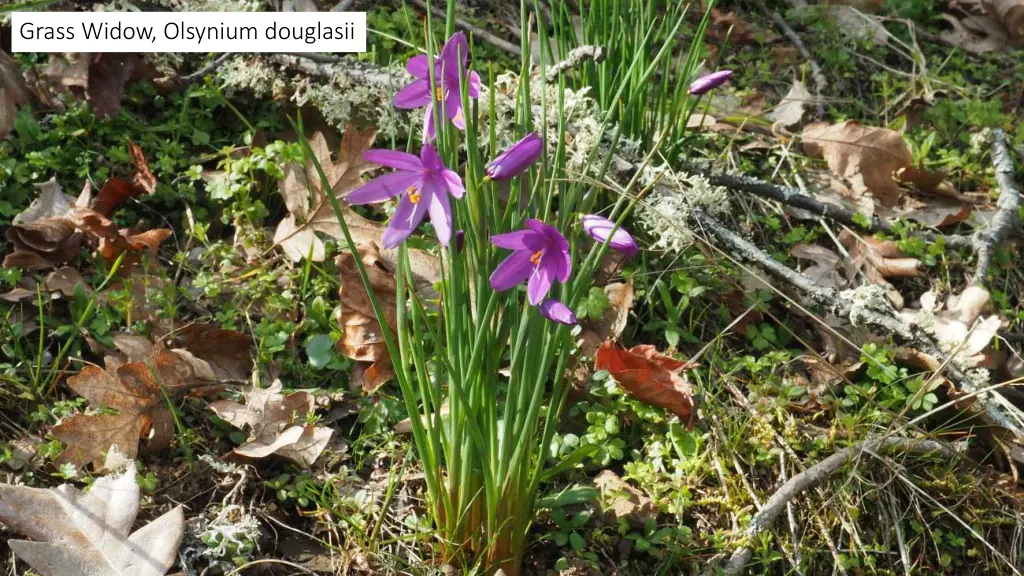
(540, 253)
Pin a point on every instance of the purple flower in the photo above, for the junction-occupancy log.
(540, 255)
(447, 70)
(424, 184)
(709, 82)
(515, 159)
(460, 240)
(555, 311)
(600, 228)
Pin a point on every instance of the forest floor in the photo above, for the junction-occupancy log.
(872, 148)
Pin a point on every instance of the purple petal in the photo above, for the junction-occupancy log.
(394, 159)
(454, 183)
(406, 219)
(600, 228)
(429, 158)
(455, 54)
(539, 285)
(558, 264)
(383, 187)
(440, 216)
(516, 159)
(474, 84)
(415, 95)
(453, 108)
(512, 271)
(555, 311)
(429, 130)
(709, 82)
(518, 240)
(460, 240)
(418, 66)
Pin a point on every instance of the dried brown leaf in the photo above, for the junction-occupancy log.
(309, 208)
(791, 109)
(228, 352)
(649, 376)
(139, 391)
(612, 322)
(276, 424)
(14, 93)
(87, 534)
(621, 501)
(866, 157)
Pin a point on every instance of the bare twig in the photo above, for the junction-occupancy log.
(327, 67)
(576, 57)
(797, 199)
(820, 83)
(475, 30)
(814, 476)
(985, 241)
(216, 63)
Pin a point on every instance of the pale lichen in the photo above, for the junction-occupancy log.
(665, 212)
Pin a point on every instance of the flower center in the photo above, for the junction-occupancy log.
(535, 259)
(437, 93)
(414, 196)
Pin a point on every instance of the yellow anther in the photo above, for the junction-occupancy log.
(437, 93)
(535, 259)
(414, 197)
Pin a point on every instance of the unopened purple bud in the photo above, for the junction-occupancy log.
(515, 159)
(600, 228)
(555, 311)
(709, 82)
(460, 240)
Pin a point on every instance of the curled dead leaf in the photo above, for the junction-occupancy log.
(649, 376)
(276, 424)
(362, 337)
(89, 534)
(139, 391)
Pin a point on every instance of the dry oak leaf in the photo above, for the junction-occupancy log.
(275, 424)
(791, 109)
(976, 33)
(139, 391)
(649, 376)
(229, 353)
(961, 328)
(620, 500)
(1010, 14)
(876, 259)
(42, 235)
(866, 157)
(13, 92)
(296, 233)
(362, 337)
(89, 534)
(98, 78)
(612, 322)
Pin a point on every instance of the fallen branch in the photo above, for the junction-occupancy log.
(475, 30)
(576, 57)
(820, 83)
(327, 67)
(797, 199)
(985, 241)
(814, 476)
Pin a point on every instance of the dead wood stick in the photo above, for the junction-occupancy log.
(797, 199)
(987, 240)
(814, 476)
(820, 83)
(216, 63)
(475, 30)
(576, 57)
